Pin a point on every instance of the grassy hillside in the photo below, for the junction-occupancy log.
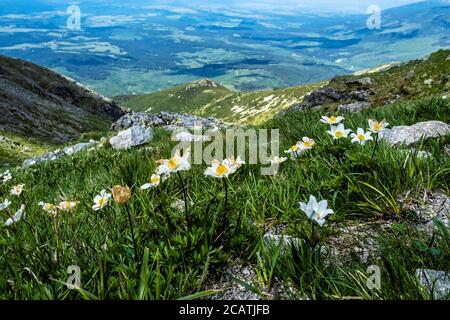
(217, 101)
(419, 78)
(38, 103)
(183, 255)
(412, 80)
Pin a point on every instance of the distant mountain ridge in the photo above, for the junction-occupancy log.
(39, 103)
(373, 87)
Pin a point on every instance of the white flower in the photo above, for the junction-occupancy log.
(48, 207)
(6, 176)
(316, 211)
(155, 180)
(17, 216)
(67, 205)
(17, 190)
(6, 203)
(277, 160)
(331, 120)
(294, 151)
(338, 132)
(175, 164)
(234, 164)
(377, 127)
(220, 169)
(101, 200)
(275, 164)
(306, 143)
(361, 137)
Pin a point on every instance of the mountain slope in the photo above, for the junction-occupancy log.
(371, 88)
(207, 98)
(39, 103)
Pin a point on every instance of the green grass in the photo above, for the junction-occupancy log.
(14, 149)
(177, 254)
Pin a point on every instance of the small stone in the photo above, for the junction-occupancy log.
(360, 81)
(353, 107)
(132, 137)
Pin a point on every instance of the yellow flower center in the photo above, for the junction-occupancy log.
(308, 144)
(102, 202)
(294, 148)
(339, 134)
(377, 126)
(333, 119)
(361, 137)
(173, 163)
(154, 180)
(221, 170)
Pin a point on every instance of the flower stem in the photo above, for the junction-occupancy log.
(226, 192)
(184, 194)
(225, 206)
(374, 147)
(132, 230)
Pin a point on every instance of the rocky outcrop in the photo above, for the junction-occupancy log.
(353, 107)
(428, 208)
(230, 286)
(408, 135)
(37, 102)
(328, 95)
(132, 137)
(167, 120)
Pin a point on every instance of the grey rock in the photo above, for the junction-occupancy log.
(360, 95)
(53, 155)
(409, 135)
(353, 107)
(359, 240)
(447, 149)
(318, 98)
(360, 81)
(437, 283)
(132, 137)
(273, 239)
(247, 274)
(326, 95)
(167, 120)
(78, 147)
(428, 207)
